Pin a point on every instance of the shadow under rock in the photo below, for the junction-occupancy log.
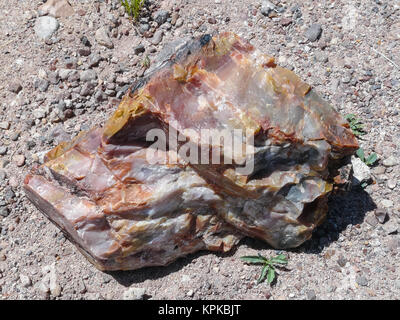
(127, 278)
(345, 208)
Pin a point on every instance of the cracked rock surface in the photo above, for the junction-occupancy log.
(125, 212)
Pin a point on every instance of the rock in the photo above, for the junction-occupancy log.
(342, 261)
(179, 23)
(391, 227)
(362, 281)
(102, 37)
(190, 293)
(361, 172)
(4, 212)
(381, 215)
(158, 35)
(94, 60)
(15, 87)
(19, 160)
(88, 75)
(49, 283)
(139, 49)
(321, 57)
(45, 27)
(53, 77)
(3, 150)
(212, 20)
(267, 7)
(153, 223)
(286, 21)
(387, 203)
(85, 41)
(39, 114)
(84, 52)
(56, 8)
(144, 27)
(25, 281)
(161, 16)
(314, 32)
(41, 84)
(391, 183)
(87, 89)
(5, 125)
(372, 220)
(70, 63)
(134, 294)
(311, 295)
(64, 73)
(390, 161)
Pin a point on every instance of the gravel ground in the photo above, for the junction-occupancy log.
(59, 76)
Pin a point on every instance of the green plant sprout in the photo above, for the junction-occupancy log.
(133, 7)
(355, 124)
(268, 271)
(370, 160)
(146, 62)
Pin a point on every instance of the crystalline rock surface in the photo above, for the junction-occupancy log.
(123, 212)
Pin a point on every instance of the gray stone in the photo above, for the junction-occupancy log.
(64, 73)
(158, 35)
(41, 84)
(179, 23)
(311, 295)
(3, 150)
(87, 89)
(390, 161)
(45, 27)
(94, 60)
(139, 49)
(391, 227)
(5, 125)
(143, 28)
(25, 281)
(15, 87)
(361, 172)
(102, 37)
(321, 57)
(88, 75)
(391, 183)
(314, 32)
(134, 294)
(39, 113)
(3, 175)
(371, 220)
(4, 212)
(362, 281)
(161, 16)
(387, 203)
(381, 215)
(267, 7)
(342, 261)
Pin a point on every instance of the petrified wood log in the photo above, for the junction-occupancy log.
(125, 212)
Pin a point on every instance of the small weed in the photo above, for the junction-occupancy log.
(133, 7)
(355, 125)
(146, 62)
(370, 160)
(269, 266)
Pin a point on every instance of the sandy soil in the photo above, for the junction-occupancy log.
(354, 64)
